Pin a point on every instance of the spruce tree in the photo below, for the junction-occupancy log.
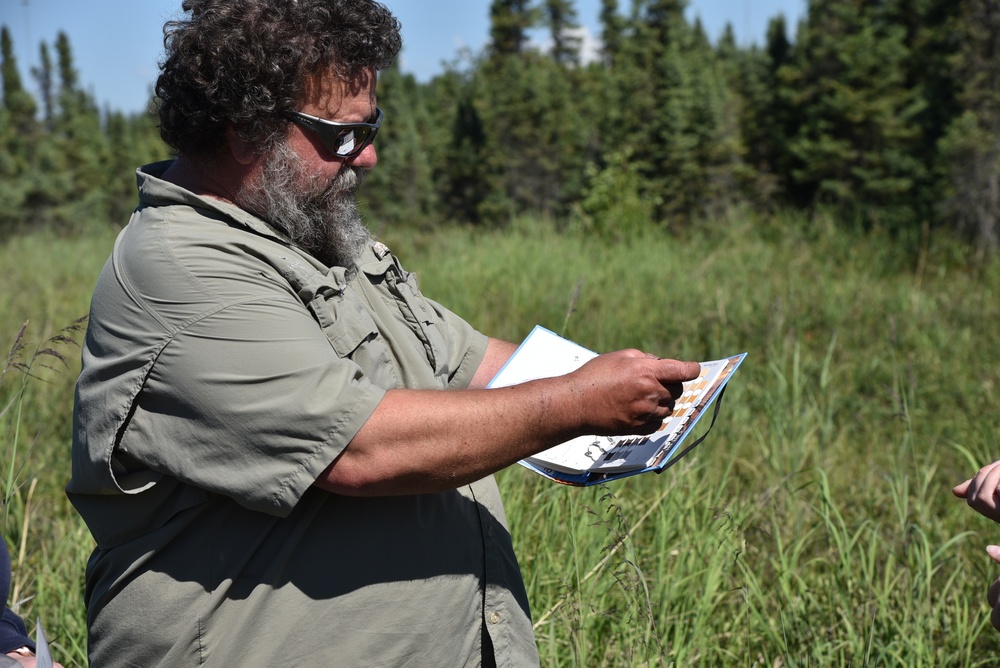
(18, 140)
(854, 147)
(468, 177)
(45, 80)
(402, 188)
(612, 29)
(678, 114)
(561, 18)
(972, 145)
(768, 120)
(522, 120)
(16, 100)
(509, 24)
(83, 151)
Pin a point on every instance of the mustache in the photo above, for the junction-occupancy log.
(348, 179)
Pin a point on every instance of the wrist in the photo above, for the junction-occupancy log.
(567, 406)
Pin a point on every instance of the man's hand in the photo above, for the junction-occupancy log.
(982, 492)
(629, 392)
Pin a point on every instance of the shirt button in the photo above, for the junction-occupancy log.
(494, 617)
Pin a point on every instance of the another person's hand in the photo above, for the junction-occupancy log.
(982, 491)
(23, 660)
(993, 593)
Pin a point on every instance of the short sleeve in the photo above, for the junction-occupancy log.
(467, 346)
(251, 402)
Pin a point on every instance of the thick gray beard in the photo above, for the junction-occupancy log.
(321, 218)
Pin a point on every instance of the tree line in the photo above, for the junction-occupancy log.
(884, 112)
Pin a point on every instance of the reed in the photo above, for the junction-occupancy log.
(813, 527)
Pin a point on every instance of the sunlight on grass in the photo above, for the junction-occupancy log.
(814, 527)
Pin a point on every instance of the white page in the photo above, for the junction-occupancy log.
(544, 354)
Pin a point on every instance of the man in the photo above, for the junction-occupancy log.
(283, 449)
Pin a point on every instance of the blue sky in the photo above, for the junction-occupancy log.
(116, 43)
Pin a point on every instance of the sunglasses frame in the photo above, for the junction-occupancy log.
(330, 132)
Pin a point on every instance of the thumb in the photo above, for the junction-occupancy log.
(962, 490)
(677, 371)
(994, 552)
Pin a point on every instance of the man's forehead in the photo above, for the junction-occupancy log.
(330, 87)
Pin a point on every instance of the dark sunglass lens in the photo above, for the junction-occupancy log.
(346, 141)
(354, 140)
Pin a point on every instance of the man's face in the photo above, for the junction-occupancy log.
(300, 186)
(333, 99)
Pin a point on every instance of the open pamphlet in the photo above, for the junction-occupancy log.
(588, 460)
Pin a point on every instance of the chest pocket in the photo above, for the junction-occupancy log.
(347, 323)
(379, 320)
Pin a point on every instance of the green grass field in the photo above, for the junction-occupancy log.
(814, 527)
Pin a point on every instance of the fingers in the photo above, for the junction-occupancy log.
(671, 374)
(665, 370)
(977, 482)
(673, 393)
(982, 492)
(987, 491)
(676, 371)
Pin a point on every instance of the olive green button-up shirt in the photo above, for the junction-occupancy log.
(223, 370)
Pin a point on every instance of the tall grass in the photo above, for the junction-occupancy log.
(49, 543)
(814, 526)
(47, 280)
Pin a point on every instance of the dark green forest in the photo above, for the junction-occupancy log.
(882, 113)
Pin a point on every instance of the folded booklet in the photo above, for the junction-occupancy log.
(588, 460)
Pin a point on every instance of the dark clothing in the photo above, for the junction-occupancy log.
(13, 633)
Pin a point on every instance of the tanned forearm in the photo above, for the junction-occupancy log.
(429, 441)
(420, 441)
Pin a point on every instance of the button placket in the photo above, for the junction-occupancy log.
(414, 311)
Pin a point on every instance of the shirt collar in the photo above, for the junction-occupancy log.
(155, 191)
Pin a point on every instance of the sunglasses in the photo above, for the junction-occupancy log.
(344, 140)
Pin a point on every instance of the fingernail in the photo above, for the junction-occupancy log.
(993, 550)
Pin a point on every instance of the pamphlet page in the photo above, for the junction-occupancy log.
(544, 354)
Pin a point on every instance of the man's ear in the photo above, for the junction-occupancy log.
(242, 152)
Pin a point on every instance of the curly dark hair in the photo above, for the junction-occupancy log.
(242, 63)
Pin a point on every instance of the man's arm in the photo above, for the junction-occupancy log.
(421, 441)
(497, 354)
